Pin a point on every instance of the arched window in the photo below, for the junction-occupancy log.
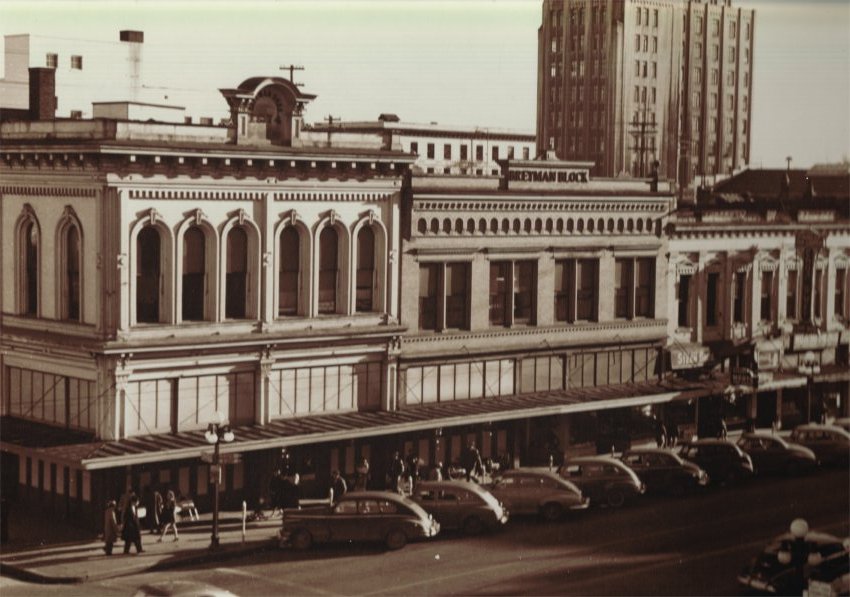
(236, 293)
(290, 266)
(147, 275)
(328, 269)
(29, 253)
(194, 274)
(71, 287)
(365, 269)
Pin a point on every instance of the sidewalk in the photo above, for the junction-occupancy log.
(58, 553)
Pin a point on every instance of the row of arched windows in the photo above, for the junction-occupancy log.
(538, 225)
(311, 276)
(68, 265)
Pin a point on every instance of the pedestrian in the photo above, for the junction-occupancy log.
(290, 494)
(169, 516)
(660, 433)
(158, 505)
(672, 436)
(412, 467)
(436, 472)
(395, 473)
(338, 486)
(131, 531)
(111, 530)
(722, 430)
(472, 461)
(124, 502)
(362, 479)
(274, 490)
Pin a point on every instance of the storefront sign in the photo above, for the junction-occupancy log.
(549, 176)
(690, 356)
(814, 341)
(767, 359)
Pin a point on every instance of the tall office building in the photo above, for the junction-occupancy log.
(626, 83)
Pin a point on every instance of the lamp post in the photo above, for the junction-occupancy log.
(796, 553)
(809, 367)
(215, 434)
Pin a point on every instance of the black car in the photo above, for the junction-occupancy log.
(721, 459)
(772, 454)
(604, 479)
(830, 443)
(770, 573)
(663, 471)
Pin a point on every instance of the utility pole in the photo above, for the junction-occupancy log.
(330, 120)
(292, 68)
(640, 130)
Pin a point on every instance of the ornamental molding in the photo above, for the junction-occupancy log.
(546, 332)
(47, 191)
(331, 196)
(196, 195)
(532, 205)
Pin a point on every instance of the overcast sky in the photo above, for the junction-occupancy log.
(467, 62)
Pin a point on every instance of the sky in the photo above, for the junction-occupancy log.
(464, 62)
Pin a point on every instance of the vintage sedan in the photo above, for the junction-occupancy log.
(830, 443)
(776, 570)
(604, 479)
(359, 516)
(772, 454)
(460, 505)
(537, 491)
(663, 471)
(722, 459)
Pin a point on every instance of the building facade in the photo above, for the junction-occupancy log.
(758, 288)
(629, 83)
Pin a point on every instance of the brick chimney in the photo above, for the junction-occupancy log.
(42, 93)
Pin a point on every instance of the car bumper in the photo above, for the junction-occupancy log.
(583, 505)
(755, 583)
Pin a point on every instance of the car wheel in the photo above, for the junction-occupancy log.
(552, 512)
(615, 498)
(301, 539)
(473, 525)
(396, 539)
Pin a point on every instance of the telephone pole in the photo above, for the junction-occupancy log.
(292, 68)
(330, 120)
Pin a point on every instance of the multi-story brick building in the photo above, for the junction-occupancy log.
(631, 82)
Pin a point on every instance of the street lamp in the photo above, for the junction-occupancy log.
(809, 367)
(797, 552)
(215, 434)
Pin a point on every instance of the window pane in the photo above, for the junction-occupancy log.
(586, 296)
(684, 300)
(237, 273)
(711, 298)
(72, 271)
(524, 283)
(644, 286)
(365, 268)
(428, 284)
(328, 248)
(499, 279)
(563, 284)
(194, 260)
(147, 275)
(622, 287)
(290, 261)
(457, 295)
(791, 296)
(766, 296)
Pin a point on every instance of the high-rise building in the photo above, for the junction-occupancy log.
(626, 83)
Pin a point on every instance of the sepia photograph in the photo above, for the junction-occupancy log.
(424, 297)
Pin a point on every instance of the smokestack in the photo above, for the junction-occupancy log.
(42, 93)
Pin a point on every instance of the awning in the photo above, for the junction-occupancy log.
(346, 426)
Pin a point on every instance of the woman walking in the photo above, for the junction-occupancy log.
(169, 516)
(110, 527)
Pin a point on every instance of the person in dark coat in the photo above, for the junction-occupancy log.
(396, 473)
(660, 433)
(111, 530)
(275, 486)
(361, 481)
(412, 469)
(338, 486)
(290, 493)
(132, 533)
(472, 461)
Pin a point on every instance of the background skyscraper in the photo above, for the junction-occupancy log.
(625, 83)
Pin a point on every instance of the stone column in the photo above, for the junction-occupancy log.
(480, 290)
(605, 286)
(261, 406)
(545, 289)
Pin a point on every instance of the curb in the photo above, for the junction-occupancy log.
(170, 563)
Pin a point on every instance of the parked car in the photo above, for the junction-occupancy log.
(663, 471)
(181, 588)
(537, 491)
(830, 443)
(843, 422)
(772, 454)
(360, 516)
(768, 573)
(831, 577)
(604, 479)
(720, 458)
(460, 505)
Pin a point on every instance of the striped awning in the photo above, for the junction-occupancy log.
(346, 426)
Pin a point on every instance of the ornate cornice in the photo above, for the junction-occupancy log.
(330, 196)
(532, 205)
(198, 195)
(47, 191)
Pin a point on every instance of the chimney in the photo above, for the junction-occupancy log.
(42, 93)
(132, 36)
